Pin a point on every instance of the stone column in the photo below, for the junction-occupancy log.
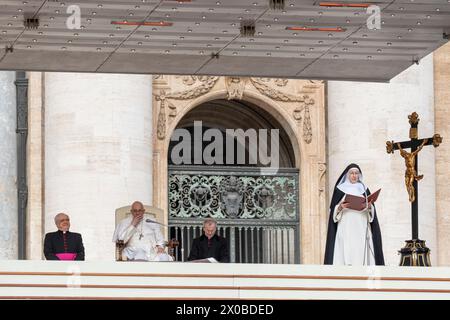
(98, 152)
(361, 118)
(442, 115)
(35, 166)
(8, 167)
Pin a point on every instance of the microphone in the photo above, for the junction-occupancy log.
(365, 194)
(367, 228)
(156, 222)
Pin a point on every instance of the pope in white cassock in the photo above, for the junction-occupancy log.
(142, 236)
(354, 237)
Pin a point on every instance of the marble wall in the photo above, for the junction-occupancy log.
(442, 115)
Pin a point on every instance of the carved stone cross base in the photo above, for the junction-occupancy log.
(415, 254)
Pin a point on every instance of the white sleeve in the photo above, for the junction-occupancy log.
(158, 236)
(116, 234)
(338, 215)
(124, 232)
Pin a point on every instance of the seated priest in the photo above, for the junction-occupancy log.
(141, 235)
(63, 244)
(210, 244)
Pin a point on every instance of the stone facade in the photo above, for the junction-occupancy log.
(98, 142)
(442, 116)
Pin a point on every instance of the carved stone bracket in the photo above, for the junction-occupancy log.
(235, 87)
(305, 103)
(312, 85)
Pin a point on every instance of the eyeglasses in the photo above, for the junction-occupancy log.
(138, 210)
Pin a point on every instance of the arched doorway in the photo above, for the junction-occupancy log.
(219, 159)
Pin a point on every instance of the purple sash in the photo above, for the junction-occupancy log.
(66, 256)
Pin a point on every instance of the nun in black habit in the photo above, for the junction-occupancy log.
(353, 237)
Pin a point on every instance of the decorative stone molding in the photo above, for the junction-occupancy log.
(261, 85)
(305, 103)
(236, 87)
(299, 107)
(206, 84)
(161, 126)
(307, 127)
(281, 82)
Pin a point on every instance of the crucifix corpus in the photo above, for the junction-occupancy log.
(415, 253)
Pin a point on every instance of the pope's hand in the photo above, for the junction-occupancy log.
(137, 219)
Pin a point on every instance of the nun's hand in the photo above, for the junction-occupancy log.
(343, 205)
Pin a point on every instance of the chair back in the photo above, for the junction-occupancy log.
(156, 213)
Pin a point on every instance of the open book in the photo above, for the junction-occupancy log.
(358, 203)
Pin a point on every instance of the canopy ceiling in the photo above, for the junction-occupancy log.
(332, 40)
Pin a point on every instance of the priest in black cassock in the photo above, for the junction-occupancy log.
(63, 244)
(354, 237)
(210, 244)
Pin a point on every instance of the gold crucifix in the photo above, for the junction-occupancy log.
(410, 172)
(416, 145)
(411, 176)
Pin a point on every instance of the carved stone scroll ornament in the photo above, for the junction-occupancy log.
(305, 103)
(191, 80)
(235, 87)
(206, 84)
(322, 180)
(281, 82)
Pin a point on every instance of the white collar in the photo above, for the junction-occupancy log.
(355, 189)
